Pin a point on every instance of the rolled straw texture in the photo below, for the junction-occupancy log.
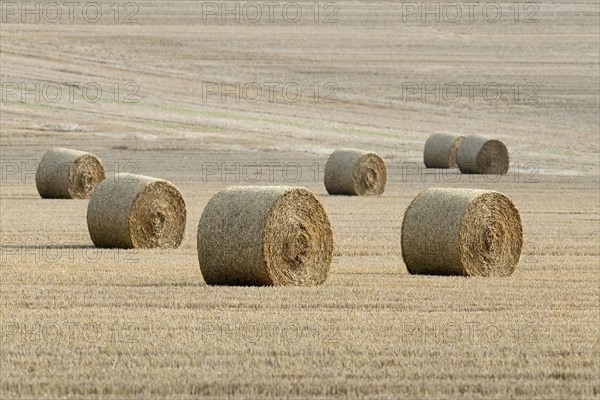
(481, 155)
(440, 150)
(68, 174)
(355, 172)
(135, 211)
(461, 232)
(272, 235)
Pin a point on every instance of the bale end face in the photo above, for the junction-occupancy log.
(370, 175)
(158, 216)
(491, 236)
(493, 158)
(298, 241)
(85, 174)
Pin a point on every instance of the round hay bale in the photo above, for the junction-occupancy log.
(440, 150)
(481, 155)
(270, 235)
(134, 211)
(68, 174)
(461, 232)
(355, 172)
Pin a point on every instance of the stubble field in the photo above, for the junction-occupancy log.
(80, 322)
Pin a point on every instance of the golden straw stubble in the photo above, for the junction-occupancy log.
(136, 211)
(355, 172)
(440, 150)
(269, 235)
(482, 155)
(68, 174)
(461, 232)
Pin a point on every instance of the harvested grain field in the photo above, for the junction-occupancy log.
(176, 91)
